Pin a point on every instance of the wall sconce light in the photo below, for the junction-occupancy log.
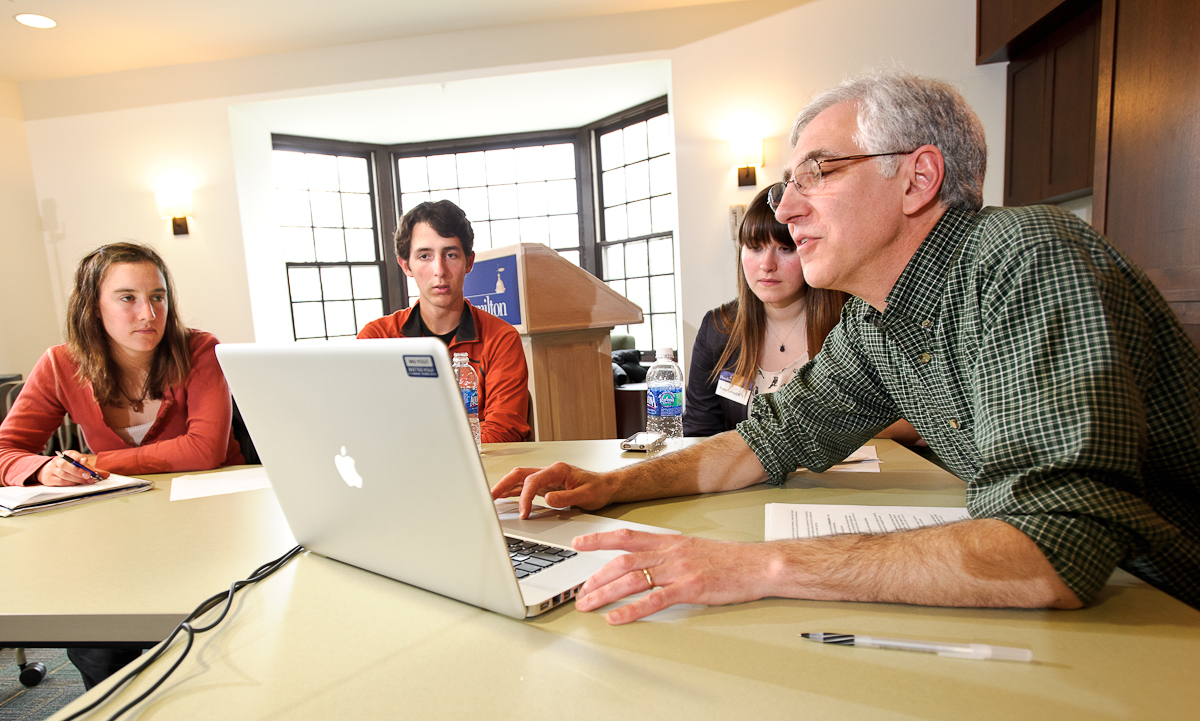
(747, 155)
(174, 195)
(745, 131)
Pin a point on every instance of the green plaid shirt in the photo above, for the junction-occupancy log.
(1045, 370)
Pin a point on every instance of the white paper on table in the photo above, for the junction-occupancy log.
(864, 460)
(788, 521)
(215, 484)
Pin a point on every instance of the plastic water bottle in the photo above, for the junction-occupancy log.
(468, 385)
(664, 397)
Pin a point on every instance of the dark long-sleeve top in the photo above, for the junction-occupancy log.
(706, 413)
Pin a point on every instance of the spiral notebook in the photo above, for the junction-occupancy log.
(19, 500)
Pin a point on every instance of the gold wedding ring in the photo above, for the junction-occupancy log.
(649, 578)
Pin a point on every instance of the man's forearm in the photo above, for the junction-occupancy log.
(721, 463)
(980, 563)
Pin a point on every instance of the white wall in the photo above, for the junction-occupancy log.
(99, 171)
(27, 321)
(99, 168)
(269, 304)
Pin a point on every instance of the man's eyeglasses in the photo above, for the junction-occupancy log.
(807, 178)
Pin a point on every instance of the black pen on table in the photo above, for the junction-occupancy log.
(78, 465)
(977, 651)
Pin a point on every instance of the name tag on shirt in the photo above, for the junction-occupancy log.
(735, 392)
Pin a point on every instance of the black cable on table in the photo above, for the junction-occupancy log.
(185, 627)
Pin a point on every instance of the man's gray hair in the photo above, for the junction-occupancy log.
(899, 111)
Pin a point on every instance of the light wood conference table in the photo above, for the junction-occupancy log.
(128, 569)
(320, 639)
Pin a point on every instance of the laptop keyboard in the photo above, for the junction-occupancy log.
(529, 557)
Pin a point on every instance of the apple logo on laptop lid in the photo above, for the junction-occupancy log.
(345, 469)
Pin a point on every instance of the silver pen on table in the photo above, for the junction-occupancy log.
(976, 651)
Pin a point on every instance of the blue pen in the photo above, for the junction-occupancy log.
(78, 465)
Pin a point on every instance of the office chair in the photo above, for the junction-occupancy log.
(242, 436)
(10, 387)
(67, 436)
(31, 673)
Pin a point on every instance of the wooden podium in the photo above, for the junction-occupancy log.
(564, 315)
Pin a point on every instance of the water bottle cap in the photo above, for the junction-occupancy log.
(664, 354)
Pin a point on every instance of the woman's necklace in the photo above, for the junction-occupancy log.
(783, 340)
(137, 404)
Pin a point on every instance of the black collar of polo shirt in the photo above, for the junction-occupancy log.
(415, 327)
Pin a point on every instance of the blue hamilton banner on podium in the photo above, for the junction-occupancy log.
(492, 286)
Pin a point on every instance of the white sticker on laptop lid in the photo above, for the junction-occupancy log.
(420, 366)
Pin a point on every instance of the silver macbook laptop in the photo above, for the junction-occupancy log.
(369, 452)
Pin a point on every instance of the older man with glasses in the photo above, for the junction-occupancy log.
(1043, 368)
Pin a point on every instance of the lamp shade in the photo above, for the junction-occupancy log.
(174, 195)
(747, 152)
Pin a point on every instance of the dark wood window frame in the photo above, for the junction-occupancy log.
(385, 192)
(382, 206)
(631, 116)
(579, 137)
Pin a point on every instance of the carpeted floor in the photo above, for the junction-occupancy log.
(61, 686)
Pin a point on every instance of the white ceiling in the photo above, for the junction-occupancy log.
(496, 105)
(99, 36)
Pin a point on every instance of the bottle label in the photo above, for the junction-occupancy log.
(664, 402)
(470, 398)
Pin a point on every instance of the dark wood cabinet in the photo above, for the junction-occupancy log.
(1144, 139)
(1051, 128)
(1147, 197)
(1005, 29)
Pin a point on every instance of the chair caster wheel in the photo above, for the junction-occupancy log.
(32, 674)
